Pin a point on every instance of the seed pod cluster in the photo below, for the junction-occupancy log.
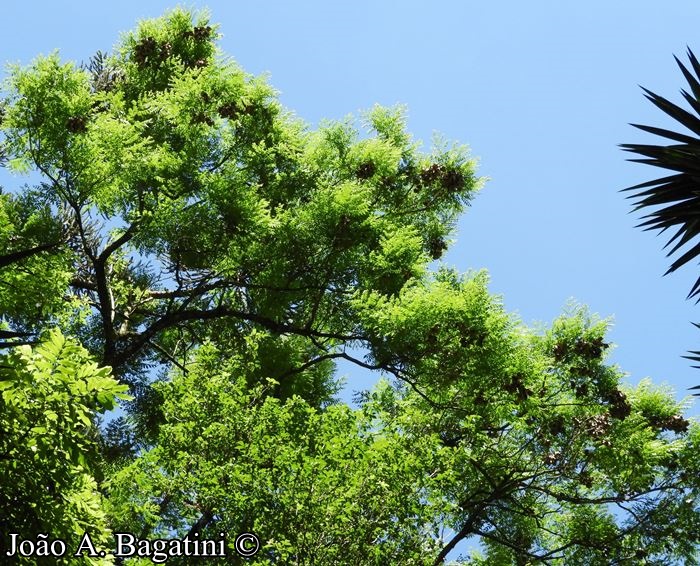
(76, 124)
(449, 178)
(197, 63)
(675, 423)
(149, 51)
(202, 118)
(145, 50)
(552, 458)
(516, 386)
(228, 110)
(598, 425)
(556, 425)
(590, 349)
(199, 33)
(619, 407)
(585, 478)
(365, 170)
(436, 247)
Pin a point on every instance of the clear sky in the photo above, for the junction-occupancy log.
(542, 92)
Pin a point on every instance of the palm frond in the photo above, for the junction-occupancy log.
(674, 200)
(678, 195)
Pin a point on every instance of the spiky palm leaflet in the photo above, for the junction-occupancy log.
(674, 200)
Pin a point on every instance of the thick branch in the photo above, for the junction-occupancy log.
(106, 308)
(116, 359)
(168, 355)
(116, 244)
(104, 291)
(519, 549)
(467, 529)
(82, 284)
(14, 257)
(312, 362)
(202, 522)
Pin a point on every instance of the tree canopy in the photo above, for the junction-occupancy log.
(187, 245)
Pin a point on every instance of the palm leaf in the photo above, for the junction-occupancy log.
(678, 195)
(674, 201)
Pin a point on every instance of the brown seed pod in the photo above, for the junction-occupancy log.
(195, 63)
(556, 425)
(165, 51)
(76, 124)
(228, 110)
(552, 458)
(145, 50)
(202, 118)
(676, 423)
(590, 348)
(598, 425)
(433, 333)
(582, 371)
(431, 174)
(436, 247)
(585, 479)
(365, 170)
(581, 390)
(452, 179)
(619, 406)
(560, 351)
(201, 33)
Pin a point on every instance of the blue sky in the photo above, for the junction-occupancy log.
(541, 91)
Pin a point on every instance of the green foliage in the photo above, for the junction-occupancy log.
(221, 257)
(30, 236)
(167, 134)
(49, 396)
(322, 484)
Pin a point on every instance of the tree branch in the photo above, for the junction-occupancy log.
(467, 529)
(116, 359)
(202, 522)
(116, 244)
(14, 257)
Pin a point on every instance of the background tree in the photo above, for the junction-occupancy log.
(677, 194)
(49, 458)
(221, 256)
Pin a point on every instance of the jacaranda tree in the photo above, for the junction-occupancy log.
(221, 257)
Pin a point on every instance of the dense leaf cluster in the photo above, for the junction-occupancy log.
(48, 400)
